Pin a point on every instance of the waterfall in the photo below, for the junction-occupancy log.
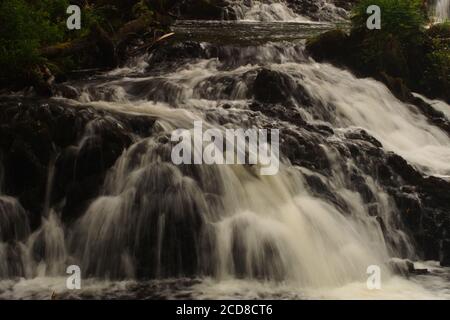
(158, 220)
(280, 10)
(271, 11)
(155, 219)
(442, 10)
(311, 230)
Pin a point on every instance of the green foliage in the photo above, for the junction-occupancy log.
(403, 49)
(404, 18)
(437, 73)
(401, 31)
(141, 9)
(50, 16)
(25, 27)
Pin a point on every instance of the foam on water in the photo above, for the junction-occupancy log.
(225, 231)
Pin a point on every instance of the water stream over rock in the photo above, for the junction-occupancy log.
(362, 178)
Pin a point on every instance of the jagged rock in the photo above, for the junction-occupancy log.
(83, 143)
(360, 134)
(405, 267)
(276, 87)
(303, 150)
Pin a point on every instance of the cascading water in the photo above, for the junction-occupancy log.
(442, 10)
(223, 230)
(269, 11)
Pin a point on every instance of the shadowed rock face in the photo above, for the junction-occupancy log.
(77, 144)
(275, 87)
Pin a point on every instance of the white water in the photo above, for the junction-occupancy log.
(282, 231)
(242, 235)
(442, 10)
(368, 104)
(261, 11)
(438, 105)
(278, 214)
(268, 11)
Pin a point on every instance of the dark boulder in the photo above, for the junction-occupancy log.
(276, 87)
(362, 135)
(332, 46)
(445, 253)
(304, 149)
(172, 53)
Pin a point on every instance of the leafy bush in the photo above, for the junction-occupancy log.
(25, 27)
(402, 50)
(404, 18)
(401, 32)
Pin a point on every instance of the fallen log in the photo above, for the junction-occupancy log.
(96, 39)
(152, 43)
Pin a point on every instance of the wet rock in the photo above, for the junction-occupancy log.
(397, 86)
(405, 267)
(332, 46)
(410, 208)
(281, 112)
(225, 87)
(303, 150)
(445, 253)
(14, 226)
(434, 116)
(276, 87)
(172, 53)
(402, 168)
(319, 188)
(358, 184)
(83, 143)
(360, 134)
(66, 91)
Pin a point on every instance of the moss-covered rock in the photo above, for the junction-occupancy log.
(332, 46)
